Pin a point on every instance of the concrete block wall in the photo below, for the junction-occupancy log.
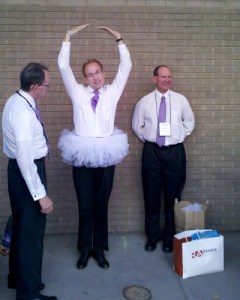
(199, 40)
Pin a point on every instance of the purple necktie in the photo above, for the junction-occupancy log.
(94, 100)
(161, 118)
(37, 112)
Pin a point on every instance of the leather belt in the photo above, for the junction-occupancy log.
(169, 146)
(38, 159)
(164, 147)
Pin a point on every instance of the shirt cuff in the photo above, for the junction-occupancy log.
(39, 195)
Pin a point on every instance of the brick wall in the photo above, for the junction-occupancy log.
(199, 40)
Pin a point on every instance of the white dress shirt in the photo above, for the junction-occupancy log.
(178, 113)
(86, 122)
(23, 140)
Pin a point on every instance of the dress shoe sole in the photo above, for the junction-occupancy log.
(105, 267)
(167, 250)
(83, 264)
(150, 249)
(100, 264)
(81, 267)
(150, 246)
(43, 297)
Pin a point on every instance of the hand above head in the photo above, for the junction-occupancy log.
(74, 30)
(114, 33)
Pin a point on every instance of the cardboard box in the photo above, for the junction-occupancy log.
(188, 220)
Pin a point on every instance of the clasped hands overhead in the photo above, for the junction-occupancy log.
(76, 29)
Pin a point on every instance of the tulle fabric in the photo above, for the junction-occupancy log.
(93, 152)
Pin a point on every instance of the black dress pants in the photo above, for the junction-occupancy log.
(93, 188)
(26, 250)
(163, 169)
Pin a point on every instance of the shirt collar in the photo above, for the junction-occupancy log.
(28, 97)
(91, 90)
(166, 95)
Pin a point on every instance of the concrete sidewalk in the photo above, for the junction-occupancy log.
(129, 265)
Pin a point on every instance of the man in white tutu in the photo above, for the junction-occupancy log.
(94, 146)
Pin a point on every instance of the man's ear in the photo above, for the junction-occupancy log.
(33, 86)
(33, 89)
(154, 79)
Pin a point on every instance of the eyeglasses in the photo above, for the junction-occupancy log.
(91, 75)
(46, 85)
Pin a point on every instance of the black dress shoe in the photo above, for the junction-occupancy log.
(43, 297)
(98, 255)
(167, 246)
(150, 246)
(42, 286)
(83, 259)
(11, 282)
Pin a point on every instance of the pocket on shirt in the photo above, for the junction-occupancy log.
(176, 117)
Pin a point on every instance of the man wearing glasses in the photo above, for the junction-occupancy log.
(25, 144)
(94, 146)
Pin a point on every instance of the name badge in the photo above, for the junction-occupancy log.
(164, 129)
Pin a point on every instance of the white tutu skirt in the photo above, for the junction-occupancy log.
(93, 152)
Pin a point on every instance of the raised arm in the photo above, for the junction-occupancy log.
(73, 31)
(113, 33)
(125, 65)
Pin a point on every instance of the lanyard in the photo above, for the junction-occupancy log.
(30, 106)
(37, 116)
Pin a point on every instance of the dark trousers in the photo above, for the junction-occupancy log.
(26, 250)
(93, 188)
(163, 169)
